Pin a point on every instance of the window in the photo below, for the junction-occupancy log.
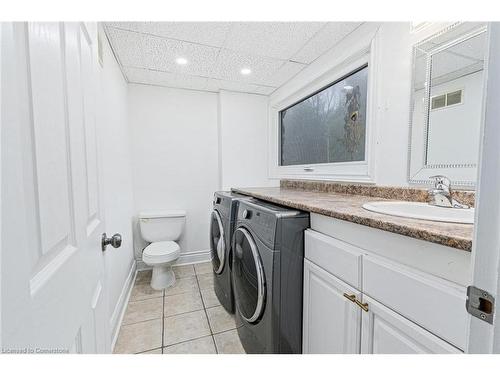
(327, 127)
(454, 97)
(439, 101)
(446, 100)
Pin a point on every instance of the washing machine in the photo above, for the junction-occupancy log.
(222, 221)
(267, 272)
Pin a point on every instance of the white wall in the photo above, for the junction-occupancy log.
(243, 130)
(175, 157)
(188, 144)
(117, 181)
(393, 49)
(394, 86)
(459, 121)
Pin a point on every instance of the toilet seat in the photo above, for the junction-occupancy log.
(161, 252)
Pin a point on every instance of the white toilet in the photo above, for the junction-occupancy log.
(161, 228)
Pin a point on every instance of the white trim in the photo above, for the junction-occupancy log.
(194, 257)
(417, 27)
(141, 266)
(191, 257)
(116, 319)
(50, 269)
(1, 127)
(341, 62)
(483, 337)
(219, 142)
(418, 172)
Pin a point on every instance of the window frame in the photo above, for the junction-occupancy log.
(445, 94)
(352, 171)
(280, 118)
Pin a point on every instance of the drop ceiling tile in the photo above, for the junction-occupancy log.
(217, 84)
(265, 90)
(280, 40)
(145, 51)
(152, 48)
(285, 73)
(209, 33)
(129, 47)
(325, 39)
(201, 59)
(229, 64)
(152, 77)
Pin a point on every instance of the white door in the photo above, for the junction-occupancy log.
(482, 336)
(331, 321)
(52, 263)
(386, 332)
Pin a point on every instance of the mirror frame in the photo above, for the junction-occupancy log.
(461, 175)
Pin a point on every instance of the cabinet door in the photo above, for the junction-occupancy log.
(332, 323)
(386, 332)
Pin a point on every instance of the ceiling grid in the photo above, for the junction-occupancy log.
(216, 54)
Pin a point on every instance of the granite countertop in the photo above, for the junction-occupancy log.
(349, 207)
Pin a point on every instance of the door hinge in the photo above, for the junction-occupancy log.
(480, 304)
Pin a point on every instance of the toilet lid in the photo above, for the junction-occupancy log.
(161, 252)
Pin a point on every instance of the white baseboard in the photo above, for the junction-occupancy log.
(141, 266)
(185, 258)
(194, 257)
(121, 305)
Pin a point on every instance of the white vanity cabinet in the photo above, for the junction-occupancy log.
(386, 332)
(408, 311)
(332, 323)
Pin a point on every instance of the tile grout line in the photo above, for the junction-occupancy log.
(163, 317)
(224, 331)
(198, 292)
(194, 339)
(182, 313)
(163, 321)
(185, 341)
(142, 321)
(149, 350)
(206, 314)
(145, 320)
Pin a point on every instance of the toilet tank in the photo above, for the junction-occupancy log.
(162, 225)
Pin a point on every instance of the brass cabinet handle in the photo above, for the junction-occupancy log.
(350, 297)
(364, 306)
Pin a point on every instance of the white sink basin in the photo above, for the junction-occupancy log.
(416, 210)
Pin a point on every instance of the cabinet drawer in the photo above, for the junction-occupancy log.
(431, 302)
(337, 257)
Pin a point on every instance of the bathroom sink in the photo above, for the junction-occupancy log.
(416, 210)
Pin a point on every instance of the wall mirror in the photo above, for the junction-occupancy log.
(447, 105)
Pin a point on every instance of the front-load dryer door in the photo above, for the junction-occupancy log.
(248, 276)
(217, 242)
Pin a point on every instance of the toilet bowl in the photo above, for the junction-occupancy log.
(161, 228)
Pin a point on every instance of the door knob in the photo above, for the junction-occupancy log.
(115, 241)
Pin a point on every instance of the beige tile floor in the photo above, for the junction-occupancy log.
(186, 318)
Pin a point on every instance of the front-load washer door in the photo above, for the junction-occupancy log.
(217, 242)
(248, 276)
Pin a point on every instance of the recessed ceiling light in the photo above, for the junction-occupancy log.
(246, 71)
(181, 61)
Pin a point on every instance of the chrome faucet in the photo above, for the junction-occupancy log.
(441, 195)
